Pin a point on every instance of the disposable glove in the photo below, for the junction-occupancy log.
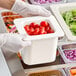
(13, 42)
(26, 9)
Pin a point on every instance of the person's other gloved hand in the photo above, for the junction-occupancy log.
(13, 42)
(26, 9)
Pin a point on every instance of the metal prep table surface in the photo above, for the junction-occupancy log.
(18, 68)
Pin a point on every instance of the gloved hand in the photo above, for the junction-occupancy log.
(13, 42)
(26, 9)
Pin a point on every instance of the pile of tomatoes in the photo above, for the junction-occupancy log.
(38, 29)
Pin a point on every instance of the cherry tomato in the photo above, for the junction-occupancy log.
(37, 26)
(32, 24)
(31, 29)
(42, 30)
(44, 23)
(9, 25)
(26, 27)
(29, 33)
(47, 28)
(37, 30)
(51, 31)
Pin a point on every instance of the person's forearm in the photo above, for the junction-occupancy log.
(7, 3)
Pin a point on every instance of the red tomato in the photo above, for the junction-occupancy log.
(47, 28)
(9, 25)
(36, 29)
(4, 14)
(42, 30)
(44, 23)
(32, 24)
(37, 26)
(29, 33)
(51, 31)
(36, 32)
(8, 13)
(10, 18)
(31, 29)
(11, 13)
(26, 27)
(7, 18)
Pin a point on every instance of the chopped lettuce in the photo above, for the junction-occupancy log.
(73, 28)
(74, 12)
(70, 19)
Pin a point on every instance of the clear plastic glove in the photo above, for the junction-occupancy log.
(13, 42)
(26, 9)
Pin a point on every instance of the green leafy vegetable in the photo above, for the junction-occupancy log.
(70, 19)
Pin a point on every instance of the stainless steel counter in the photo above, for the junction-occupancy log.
(18, 68)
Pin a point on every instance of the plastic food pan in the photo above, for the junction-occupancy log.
(6, 19)
(55, 72)
(58, 10)
(43, 48)
(46, 2)
(66, 52)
